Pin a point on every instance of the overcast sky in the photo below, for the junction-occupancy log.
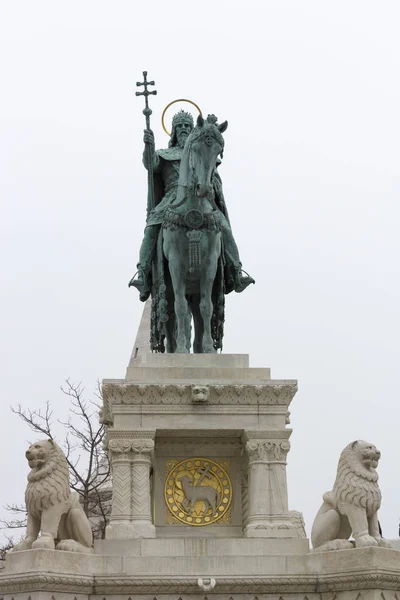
(311, 91)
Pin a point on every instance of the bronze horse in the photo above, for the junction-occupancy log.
(191, 242)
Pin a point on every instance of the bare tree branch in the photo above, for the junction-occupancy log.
(6, 547)
(38, 421)
(13, 523)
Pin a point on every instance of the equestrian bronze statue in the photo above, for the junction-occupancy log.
(188, 258)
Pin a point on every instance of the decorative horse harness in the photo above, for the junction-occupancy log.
(195, 222)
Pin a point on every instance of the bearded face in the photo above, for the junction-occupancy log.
(182, 130)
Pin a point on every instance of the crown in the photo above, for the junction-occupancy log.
(182, 117)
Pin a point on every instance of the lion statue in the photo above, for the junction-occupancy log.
(352, 506)
(52, 509)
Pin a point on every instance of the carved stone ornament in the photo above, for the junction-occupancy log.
(120, 446)
(359, 581)
(143, 446)
(267, 450)
(139, 446)
(200, 393)
(153, 394)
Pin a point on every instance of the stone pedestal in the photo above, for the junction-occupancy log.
(214, 424)
(218, 420)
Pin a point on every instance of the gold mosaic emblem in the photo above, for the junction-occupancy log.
(198, 491)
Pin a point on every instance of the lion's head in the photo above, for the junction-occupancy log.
(48, 480)
(356, 479)
(38, 454)
(200, 393)
(367, 454)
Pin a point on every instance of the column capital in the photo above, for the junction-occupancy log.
(124, 441)
(266, 450)
(119, 446)
(142, 446)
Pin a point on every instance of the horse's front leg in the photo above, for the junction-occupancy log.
(180, 306)
(209, 271)
(206, 309)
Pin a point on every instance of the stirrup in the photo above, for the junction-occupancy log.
(243, 282)
(131, 282)
(248, 275)
(140, 285)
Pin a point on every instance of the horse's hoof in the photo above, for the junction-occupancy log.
(181, 351)
(209, 350)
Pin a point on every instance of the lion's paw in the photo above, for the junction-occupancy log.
(335, 545)
(365, 540)
(73, 546)
(44, 542)
(383, 543)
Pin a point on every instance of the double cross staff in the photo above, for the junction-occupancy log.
(147, 112)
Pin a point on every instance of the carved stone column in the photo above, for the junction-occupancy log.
(130, 458)
(141, 497)
(268, 514)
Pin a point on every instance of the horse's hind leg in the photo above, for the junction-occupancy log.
(188, 328)
(198, 325)
(206, 309)
(170, 334)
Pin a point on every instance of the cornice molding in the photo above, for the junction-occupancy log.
(359, 579)
(270, 394)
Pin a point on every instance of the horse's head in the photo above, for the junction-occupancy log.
(204, 145)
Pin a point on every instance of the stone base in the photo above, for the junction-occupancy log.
(130, 530)
(270, 532)
(169, 569)
(214, 410)
(275, 526)
(193, 547)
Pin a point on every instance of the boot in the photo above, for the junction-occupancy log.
(143, 280)
(240, 281)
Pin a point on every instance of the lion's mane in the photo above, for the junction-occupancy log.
(355, 484)
(49, 484)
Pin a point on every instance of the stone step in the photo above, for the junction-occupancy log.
(220, 361)
(196, 547)
(144, 374)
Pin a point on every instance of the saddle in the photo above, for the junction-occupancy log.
(192, 219)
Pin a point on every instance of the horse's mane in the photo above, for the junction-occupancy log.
(199, 132)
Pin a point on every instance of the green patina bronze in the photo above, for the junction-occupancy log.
(188, 258)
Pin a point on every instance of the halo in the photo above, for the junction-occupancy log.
(170, 104)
